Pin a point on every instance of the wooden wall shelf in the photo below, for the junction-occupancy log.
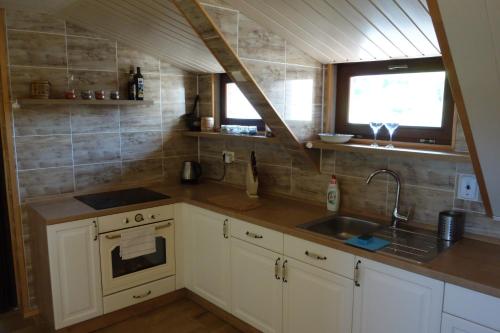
(214, 135)
(33, 101)
(401, 152)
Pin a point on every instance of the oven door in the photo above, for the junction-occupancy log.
(119, 274)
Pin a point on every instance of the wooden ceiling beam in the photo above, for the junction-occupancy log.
(237, 71)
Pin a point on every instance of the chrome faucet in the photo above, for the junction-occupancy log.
(396, 216)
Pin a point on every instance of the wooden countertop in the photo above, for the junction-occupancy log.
(469, 263)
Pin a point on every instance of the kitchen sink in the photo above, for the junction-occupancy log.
(409, 243)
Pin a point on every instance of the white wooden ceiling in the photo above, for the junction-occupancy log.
(330, 31)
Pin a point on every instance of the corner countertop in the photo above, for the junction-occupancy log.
(469, 263)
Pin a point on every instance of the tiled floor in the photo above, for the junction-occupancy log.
(182, 316)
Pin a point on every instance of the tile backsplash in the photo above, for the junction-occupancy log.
(284, 73)
(63, 149)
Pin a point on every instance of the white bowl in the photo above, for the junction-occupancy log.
(335, 138)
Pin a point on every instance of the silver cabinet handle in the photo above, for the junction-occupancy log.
(253, 235)
(277, 269)
(143, 295)
(315, 256)
(284, 272)
(225, 229)
(96, 230)
(356, 274)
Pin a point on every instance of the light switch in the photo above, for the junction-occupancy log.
(467, 187)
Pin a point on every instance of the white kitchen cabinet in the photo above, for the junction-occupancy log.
(208, 246)
(452, 324)
(391, 300)
(75, 272)
(256, 289)
(315, 300)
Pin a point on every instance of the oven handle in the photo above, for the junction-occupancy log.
(156, 228)
(143, 295)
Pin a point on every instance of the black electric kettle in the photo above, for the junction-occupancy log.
(191, 172)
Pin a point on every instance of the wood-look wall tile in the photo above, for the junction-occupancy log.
(73, 29)
(93, 80)
(304, 87)
(35, 49)
(35, 183)
(96, 148)
(92, 54)
(359, 165)
(178, 89)
(460, 143)
(206, 110)
(176, 144)
(295, 56)
(129, 57)
(271, 79)
(43, 151)
(255, 42)
(143, 170)
(21, 78)
(423, 204)
(227, 22)
(205, 88)
(212, 147)
(152, 86)
(309, 185)
(357, 196)
(470, 206)
(275, 179)
(94, 119)
(41, 22)
(172, 116)
(212, 167)
(328, 162)
(236, 173)
(480, 224)
(273, 154)
(241, 149)
(425, 172)
(41, 120)
(168, 69)
(89, 176)
(140, 118)
(306, 130)
(142, 145)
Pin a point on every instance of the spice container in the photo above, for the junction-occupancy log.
(40, 89)
(114, 95)
(70, 94)
(86, 94)
(99, 94)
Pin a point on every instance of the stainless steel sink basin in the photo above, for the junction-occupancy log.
(341, 227)
(408, 243)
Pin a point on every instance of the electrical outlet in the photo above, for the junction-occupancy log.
(228, 156)
(467, 187)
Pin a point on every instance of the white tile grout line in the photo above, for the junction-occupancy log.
(161, 120)
(119, 109)
(65, 34)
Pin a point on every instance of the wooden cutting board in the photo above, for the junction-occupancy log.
(239, 202)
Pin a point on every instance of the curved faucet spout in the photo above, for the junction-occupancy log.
(396, 216)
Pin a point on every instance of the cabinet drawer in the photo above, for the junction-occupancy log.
(135, 218)
(138, 294)
(471, 305)
(452, 324)
(267, 238)
(332, 260)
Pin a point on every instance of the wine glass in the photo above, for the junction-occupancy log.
(391, 128)
(375, 128)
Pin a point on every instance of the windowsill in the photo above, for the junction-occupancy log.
(214, 135)
(381, 150)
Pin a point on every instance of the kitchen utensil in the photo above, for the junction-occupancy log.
(191, 172)
(192, 119)
(40, 89)
(451, 225)
(335, 138)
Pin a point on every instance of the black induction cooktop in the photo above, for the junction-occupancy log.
(105, 200)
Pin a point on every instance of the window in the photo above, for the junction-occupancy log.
(413, 93)
(235, 107)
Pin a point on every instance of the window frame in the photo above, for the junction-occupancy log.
(408, 134)
(224, 79)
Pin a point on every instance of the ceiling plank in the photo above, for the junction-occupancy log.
(221, 49)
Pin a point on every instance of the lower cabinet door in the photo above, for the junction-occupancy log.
(391, 300)
(452, 324)
(74, 272)
(315, 300)
(256, 287)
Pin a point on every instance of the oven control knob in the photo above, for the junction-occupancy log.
(152, 216)
(139, 218)
(126, 220)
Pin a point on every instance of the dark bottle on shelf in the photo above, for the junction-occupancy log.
(131, 84)
(139, 85)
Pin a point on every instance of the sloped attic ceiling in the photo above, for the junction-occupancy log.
(328, 30)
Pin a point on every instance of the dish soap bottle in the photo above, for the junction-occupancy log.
(333, 195)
